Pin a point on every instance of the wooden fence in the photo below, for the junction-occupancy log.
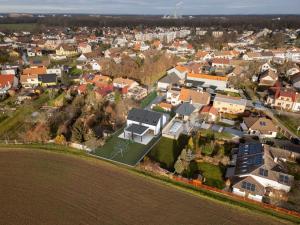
(198, 184)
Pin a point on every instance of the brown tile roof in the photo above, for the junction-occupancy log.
(263, 125)
(34, 70)
(206, 76)
(259, 189)
(6, 80)
(196, 97)
(220, 61)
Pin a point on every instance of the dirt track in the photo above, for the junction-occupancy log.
(38, 187)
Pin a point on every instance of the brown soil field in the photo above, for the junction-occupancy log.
(41, 187)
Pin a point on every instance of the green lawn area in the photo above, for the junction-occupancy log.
(291, 122)
(123, 151)
(167, 151)
(18, 26)
(220, 136)
(146, 101)
(213, 174)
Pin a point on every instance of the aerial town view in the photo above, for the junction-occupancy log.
(149, 112)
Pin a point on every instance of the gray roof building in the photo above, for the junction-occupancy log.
(185, 109)
(144, 116)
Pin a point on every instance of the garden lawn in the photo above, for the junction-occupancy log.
(291, 122)
(123, 151)
(217, 135)
(167, 151)
(213, 174)
(146, 101)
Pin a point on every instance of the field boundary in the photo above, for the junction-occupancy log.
(179, 183)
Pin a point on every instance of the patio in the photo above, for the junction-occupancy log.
(144, 139)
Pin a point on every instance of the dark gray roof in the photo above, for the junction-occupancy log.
(185, 109)
(170, 79)
(267, 54)
(194, 83)
(47, 78)
(249, 158)
(144, 116)
(136, 129)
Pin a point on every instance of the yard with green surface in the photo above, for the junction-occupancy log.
(291, 122)
(123, 151)
(213, 174)
(217, 135)
(167, 150)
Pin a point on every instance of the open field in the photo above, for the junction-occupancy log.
(18, 26)
(39, 187)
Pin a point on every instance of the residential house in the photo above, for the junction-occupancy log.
(259, 126)
(292, 71)
(266, 55)
(56, 70)
(185, 110)
(282, 99)
(96, 66)
(173, 97)
(29, 77)
(7, 82)
(208, 113)
(180, 71)
(212, 81)
(84, 48)
(226, 54)
(258, 172)
(296, 105)
(66, 50)
(266, 66)
(268, 78)
(203, 56)
(137, 93)
(220, 63)
(141, 122)
(250, 56)
(168, 81)
(47, 80)
(228, 104)
(196, 98)
(124, 84)
(296, 80)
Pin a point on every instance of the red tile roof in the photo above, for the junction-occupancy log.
(6, 80)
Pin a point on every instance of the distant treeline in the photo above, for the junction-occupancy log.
(239, 22)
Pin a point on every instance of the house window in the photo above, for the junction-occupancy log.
(283, 179)
(248, 186)
(263, 172)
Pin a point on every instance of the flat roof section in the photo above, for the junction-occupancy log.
(137, 129)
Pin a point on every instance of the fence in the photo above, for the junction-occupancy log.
(198, 184)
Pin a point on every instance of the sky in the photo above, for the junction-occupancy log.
(161, 7)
